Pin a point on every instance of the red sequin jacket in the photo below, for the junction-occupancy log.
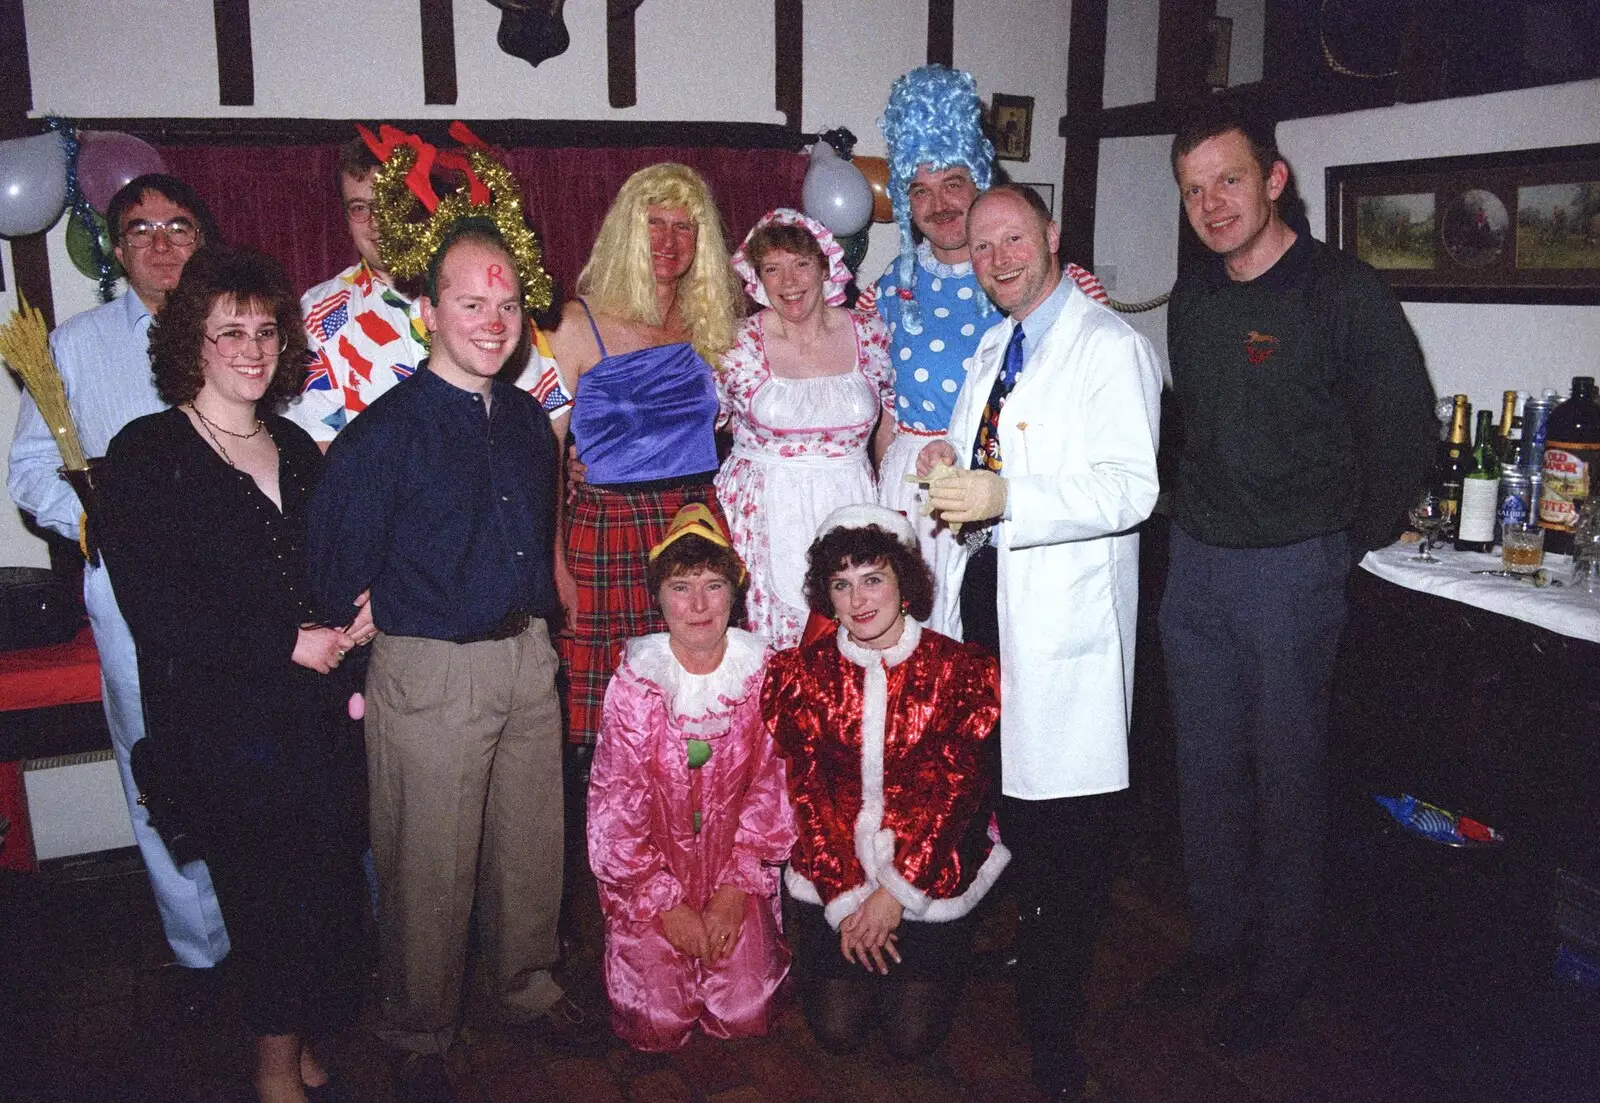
(887, 766)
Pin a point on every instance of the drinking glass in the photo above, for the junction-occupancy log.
(1522, 549)
(1427, 517)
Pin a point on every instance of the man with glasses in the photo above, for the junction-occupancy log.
(156, 223)
(365, 335)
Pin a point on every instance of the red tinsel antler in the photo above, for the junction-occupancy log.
(418, 179)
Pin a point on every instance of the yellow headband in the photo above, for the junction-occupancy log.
(695, 519)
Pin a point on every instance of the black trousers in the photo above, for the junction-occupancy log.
(1065, 855)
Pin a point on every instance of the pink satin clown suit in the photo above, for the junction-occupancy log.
(648, 856)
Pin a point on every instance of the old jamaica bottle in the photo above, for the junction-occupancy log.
(1571, 463)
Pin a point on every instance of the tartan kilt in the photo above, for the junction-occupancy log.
(609, 537)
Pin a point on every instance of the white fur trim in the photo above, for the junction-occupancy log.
(954, 907)
(862, 514)
(699, 702)
(846, 904)
(800, 886)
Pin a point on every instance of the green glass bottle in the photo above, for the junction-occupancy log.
(1480, 490)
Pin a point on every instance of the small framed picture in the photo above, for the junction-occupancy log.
(1011, 120)
(1046, 192)
(1512, 227)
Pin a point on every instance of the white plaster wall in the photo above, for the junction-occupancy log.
(696, 60)
(1131, 30)
(1249, 31)
(1479, 350)
(1136, 228)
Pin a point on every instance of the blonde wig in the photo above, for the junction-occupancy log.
(618, 281)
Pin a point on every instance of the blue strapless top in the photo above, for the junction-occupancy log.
(646, 415)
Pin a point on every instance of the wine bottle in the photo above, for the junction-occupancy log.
(1452, 469)
(1508, 418)
(1480, 491)
(1571, 463)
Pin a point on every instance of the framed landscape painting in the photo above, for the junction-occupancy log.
(1516, 227)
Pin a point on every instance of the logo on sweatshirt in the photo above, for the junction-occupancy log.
(1259, 347)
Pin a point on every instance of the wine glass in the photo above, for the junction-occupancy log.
(1427, 517)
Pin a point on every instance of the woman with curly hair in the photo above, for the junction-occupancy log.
(657, 305)
(688, 818)
(885, 727)
(206, 511)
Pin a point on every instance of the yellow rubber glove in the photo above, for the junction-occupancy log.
(967, 497)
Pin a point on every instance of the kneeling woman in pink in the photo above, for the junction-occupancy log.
(689, 820)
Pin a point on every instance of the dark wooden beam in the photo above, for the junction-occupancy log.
(942, 32)
(1181, 55)
(622, 85)
(438, 51)
(1267, 100)
(16, 85)
(1086, 77)
(587, 133)
(236, 67)
(789, 19)
(31, 262)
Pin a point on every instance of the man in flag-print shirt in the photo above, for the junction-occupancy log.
(365, 335)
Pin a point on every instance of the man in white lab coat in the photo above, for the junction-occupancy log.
(1054, 443)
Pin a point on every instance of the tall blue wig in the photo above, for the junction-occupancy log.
(933, 119)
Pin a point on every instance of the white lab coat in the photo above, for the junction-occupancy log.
(1078, 437)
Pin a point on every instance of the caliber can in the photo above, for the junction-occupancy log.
(1518, 506)
(1535, 417)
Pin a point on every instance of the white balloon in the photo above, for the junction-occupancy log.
(33, 184)
(835, 193)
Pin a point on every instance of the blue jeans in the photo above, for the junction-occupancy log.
(190, 915)
(1249, 637)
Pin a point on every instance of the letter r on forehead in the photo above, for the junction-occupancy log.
(494, 275)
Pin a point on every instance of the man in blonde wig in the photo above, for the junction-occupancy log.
(657, 305)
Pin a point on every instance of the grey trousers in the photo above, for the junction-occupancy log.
(464, 769)
(1249, 637)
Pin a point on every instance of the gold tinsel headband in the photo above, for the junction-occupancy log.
(407, 244)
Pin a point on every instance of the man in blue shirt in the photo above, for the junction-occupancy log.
(440, 501)
(156, 222)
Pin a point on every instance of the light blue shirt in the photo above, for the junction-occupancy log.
(1042, 317)
(104, 359)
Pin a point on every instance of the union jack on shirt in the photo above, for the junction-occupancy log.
(364, 337)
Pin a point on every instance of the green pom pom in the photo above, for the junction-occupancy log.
(699, 753)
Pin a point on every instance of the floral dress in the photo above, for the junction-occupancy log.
(799, 453)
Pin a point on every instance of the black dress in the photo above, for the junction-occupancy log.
(211, 578)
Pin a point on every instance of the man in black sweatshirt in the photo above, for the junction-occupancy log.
(1308, 428)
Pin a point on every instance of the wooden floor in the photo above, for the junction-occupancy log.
(1407, 1007)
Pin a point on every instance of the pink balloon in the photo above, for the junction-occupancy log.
(108, 159)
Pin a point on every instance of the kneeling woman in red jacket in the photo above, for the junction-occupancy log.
(885, 725)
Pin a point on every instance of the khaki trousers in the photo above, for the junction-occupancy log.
(464, 765)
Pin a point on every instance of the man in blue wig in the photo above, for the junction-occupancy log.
(939, 161)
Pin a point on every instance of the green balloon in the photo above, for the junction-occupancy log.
(855, 248)
(80, 247)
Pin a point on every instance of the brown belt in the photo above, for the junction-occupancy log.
(512, 624)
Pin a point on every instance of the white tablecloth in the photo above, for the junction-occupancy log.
(1560, 609)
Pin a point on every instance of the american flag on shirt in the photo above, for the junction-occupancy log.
(330, 315)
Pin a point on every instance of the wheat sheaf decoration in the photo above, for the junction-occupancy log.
(25, 344)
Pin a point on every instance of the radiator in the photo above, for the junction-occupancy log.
(75, 804)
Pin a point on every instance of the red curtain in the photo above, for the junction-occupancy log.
(284, 199)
